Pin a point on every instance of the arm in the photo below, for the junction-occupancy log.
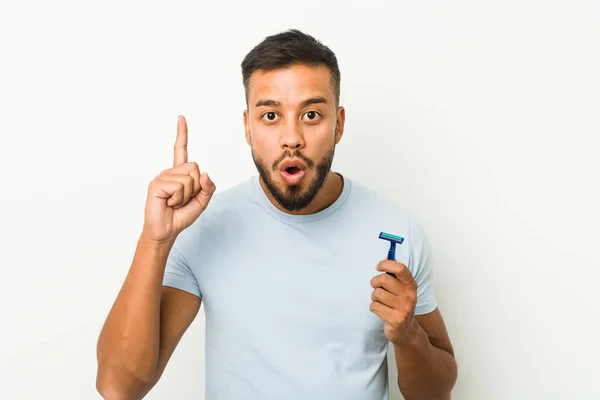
(424, 356)
(426, 365)
(148, 320)
(143, 327)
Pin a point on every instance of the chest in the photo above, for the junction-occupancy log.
(296, 286)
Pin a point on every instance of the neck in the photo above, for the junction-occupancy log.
(326, 196)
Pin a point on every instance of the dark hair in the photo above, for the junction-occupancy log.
(289, 48)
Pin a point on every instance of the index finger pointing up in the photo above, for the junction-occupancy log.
(180, 156)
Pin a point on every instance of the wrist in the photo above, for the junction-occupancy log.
(163, 243)
(413, 335)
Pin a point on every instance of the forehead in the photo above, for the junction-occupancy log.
(291, 85)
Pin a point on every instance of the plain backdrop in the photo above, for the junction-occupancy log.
(481, 117)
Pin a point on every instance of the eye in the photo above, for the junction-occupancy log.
(270, 116)
(312, 115)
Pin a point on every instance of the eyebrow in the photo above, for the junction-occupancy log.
(274, 103)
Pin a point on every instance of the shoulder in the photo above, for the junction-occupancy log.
(374, 202)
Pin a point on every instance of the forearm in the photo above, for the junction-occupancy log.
(424, 371)
(128, 345)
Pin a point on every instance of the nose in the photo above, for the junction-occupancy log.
(292, 136)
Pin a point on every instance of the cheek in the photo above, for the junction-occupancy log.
(324, 139)
(261, 137)
(264, 144)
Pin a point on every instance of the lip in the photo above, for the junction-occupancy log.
(292, 179)
(292, 163)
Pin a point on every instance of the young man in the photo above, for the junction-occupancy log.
(300, 300)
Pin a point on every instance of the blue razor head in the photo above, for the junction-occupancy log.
(391, 238)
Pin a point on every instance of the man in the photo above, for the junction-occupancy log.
(300, 301)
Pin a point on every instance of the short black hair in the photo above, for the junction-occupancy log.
(289, 48)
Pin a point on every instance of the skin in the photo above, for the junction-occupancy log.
(294, 110)
(423, 351)
(147, 320)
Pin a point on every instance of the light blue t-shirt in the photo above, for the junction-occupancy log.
(286, 297)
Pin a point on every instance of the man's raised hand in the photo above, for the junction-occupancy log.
(178, 195)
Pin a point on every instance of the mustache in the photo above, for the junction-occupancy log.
(291, 154)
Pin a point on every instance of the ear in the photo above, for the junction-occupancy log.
(247, 127)
(339, 124)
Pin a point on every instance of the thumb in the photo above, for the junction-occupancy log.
(208, 188)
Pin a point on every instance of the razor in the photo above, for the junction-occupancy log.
(393, 239)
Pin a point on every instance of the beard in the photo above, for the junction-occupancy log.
(291, 197)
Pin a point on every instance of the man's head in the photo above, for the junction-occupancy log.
(293, 120)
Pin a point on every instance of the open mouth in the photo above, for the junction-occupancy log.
(292, 170)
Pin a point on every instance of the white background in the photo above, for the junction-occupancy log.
(482, 117)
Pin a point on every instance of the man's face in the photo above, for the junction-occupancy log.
(293, 124)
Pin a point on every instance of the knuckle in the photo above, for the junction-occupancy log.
(164, 175)
(408, 302)
(385, 296)
(375, 295)
(412, 297)
(189, 180)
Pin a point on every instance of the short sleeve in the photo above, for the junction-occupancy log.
(178, 273)
(421, 265)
